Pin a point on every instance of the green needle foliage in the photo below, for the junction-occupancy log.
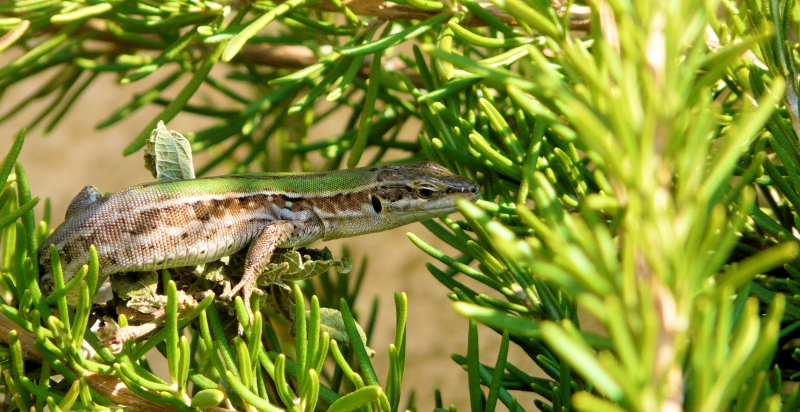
(639, 161)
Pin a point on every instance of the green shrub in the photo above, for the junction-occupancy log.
(639, 163)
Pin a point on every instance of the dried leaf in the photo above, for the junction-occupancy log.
(331, 321)
(301, 264)
(168, 155)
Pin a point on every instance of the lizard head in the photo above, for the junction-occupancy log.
(395, 195)
(413, 192)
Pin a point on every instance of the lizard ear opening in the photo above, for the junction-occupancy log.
(376, 204)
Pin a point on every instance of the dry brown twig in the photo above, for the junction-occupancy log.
(297, 57)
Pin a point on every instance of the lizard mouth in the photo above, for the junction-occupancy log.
(438, 208)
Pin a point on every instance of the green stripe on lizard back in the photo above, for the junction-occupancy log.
(288, 183)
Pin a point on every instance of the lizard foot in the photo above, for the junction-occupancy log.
(247, 288)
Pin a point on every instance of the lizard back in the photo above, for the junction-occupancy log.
(171, 224)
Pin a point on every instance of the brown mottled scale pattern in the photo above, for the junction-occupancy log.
(180, 223)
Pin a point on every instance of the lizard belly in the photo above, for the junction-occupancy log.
(192, 244)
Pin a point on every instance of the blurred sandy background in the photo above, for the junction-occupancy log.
(74, 154)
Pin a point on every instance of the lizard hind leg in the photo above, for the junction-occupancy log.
(258, 256)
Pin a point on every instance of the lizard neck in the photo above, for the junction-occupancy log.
(349, 213)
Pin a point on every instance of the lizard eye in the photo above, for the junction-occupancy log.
(425, 193)
(376, 204)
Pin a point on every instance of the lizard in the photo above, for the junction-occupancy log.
(161, 225)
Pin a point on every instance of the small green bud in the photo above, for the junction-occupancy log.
(207, 398)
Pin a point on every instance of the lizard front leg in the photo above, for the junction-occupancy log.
(258, 256)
